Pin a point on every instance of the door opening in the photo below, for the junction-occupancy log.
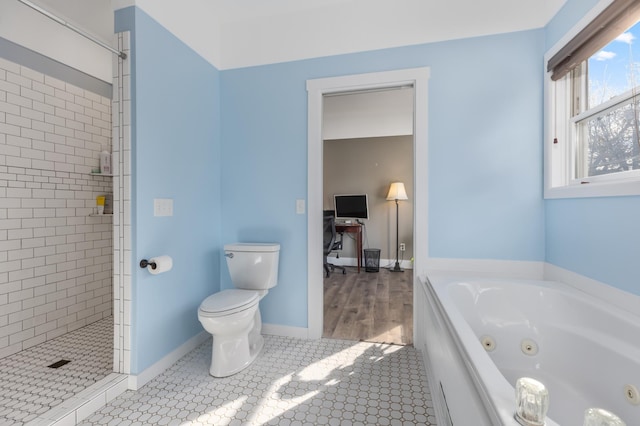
(317, 89)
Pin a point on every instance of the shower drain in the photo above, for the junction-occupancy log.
(59, 364)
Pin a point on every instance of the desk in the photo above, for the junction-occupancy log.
(353, 228)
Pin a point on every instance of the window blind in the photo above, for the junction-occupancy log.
(612, 21)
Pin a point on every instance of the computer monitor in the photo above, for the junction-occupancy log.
(351, 206)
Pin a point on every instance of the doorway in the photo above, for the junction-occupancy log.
(317, 89)
(367, 144)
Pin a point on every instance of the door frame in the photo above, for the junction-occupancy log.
(316, 89)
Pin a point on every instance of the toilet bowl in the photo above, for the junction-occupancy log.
(232, 316)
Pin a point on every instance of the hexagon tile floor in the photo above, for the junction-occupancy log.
(293, 382)
(28, 387)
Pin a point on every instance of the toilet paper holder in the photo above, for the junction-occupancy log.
(157, 265)
(144, 263)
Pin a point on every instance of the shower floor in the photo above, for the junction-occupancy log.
(28, 387)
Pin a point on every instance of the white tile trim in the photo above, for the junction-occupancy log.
(122, 206)
(74, 410)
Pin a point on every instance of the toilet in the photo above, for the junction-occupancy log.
(233, 316)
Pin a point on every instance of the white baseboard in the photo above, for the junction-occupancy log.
(285, 331)
(486, 268)
(626, 301)
(139, 380)
(384, 263)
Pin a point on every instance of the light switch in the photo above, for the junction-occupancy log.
(163, 207)
(299, 206)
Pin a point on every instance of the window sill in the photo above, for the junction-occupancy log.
(618, 188)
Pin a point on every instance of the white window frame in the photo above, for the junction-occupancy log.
(560, 158)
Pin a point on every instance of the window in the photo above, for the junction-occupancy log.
(593, 108)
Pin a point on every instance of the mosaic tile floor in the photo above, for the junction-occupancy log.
(293, 382)
(29, 388)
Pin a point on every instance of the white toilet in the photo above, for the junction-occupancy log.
(233, 316)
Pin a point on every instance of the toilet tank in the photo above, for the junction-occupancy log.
(253, 266)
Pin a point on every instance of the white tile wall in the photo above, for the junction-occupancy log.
(55, 259)
(122, 253)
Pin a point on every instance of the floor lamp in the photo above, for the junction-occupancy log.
(397, 192)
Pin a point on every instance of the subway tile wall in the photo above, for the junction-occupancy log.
(122, 250)
(55, 259)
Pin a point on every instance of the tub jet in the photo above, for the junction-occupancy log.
(529, 347)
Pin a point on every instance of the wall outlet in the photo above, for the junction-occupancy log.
(402, 247)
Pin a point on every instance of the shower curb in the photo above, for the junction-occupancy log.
(87, 402)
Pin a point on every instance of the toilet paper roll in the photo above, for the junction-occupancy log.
(163, 264)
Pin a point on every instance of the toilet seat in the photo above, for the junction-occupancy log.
(227, 302)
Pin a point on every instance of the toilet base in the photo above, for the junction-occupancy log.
(244, 355)
(231, 354)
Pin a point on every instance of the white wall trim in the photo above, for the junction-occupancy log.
(139, 380)
(619, 298)
(618, 188)
(418, 78)
(285, 331)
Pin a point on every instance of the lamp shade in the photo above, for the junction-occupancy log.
(397, 192)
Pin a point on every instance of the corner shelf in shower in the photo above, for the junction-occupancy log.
(101, 174)
(100, 215)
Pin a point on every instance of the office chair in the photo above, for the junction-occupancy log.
(331, 243)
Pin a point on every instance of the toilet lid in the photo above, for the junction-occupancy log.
(228, 300)
(261, 247)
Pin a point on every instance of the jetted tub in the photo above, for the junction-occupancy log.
(480, 335)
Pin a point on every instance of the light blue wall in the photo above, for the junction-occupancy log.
(485, 169)
(485, 153)
(595, 237)
(176, 154)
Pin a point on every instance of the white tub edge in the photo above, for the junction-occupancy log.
(489, 268)
(621, 299)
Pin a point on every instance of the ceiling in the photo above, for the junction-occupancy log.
(238, 33)
(93, 16)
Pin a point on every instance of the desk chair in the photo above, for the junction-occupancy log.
(331, 243)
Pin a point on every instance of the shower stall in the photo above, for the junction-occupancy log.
(64, 281)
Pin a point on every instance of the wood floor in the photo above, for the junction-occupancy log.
(369, 306)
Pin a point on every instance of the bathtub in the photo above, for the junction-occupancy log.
(480, 335)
